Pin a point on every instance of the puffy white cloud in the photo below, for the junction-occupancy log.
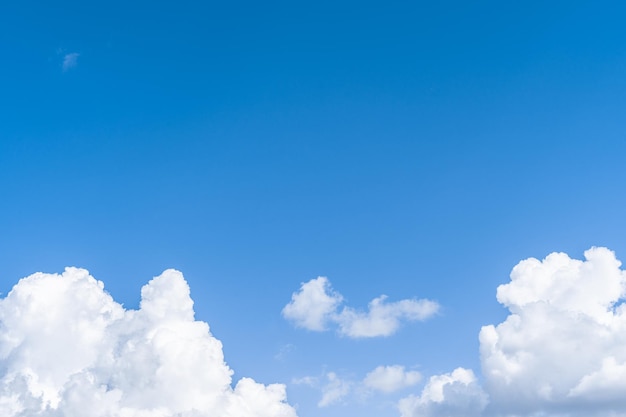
(564, 344)
(456, 394)
(588, 287)
(316, 305)
(391, 378)
(67, 349)
(560, 352)
(605, 384)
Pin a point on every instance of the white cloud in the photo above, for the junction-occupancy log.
(565, 326)
(70, 61)
(311, 381)
(456, 394)
(316, 305)
(313, 306)
(284, 352)
(67, 349)
(609, 382)
(332, 387)
(383, 319)
(334, 390)
(391, 378)
(383, 379)
(562, 349)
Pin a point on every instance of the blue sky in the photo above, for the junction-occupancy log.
(410, 149)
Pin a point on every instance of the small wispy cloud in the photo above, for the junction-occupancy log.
(70, 61)
(316, 305)
(392, 378)
(337, 389)
(284, 352)
(334, 390)
(456, 394)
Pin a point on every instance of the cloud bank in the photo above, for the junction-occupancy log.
(560, 352)
(67, 349)
(316, 305)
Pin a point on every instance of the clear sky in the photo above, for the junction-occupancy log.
(418, 150)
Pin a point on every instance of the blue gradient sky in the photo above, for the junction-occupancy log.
(402, 148)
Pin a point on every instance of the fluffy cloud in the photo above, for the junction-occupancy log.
(67, 349)
(456, 394)
(316, 305)
(391, 378)
(560, 352)
(564, 344)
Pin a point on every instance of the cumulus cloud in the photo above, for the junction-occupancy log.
(456, 394)
(67, 349)
(316, 305)
(69, 61)
(391, 378)
(565, 338)
(562, 349)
